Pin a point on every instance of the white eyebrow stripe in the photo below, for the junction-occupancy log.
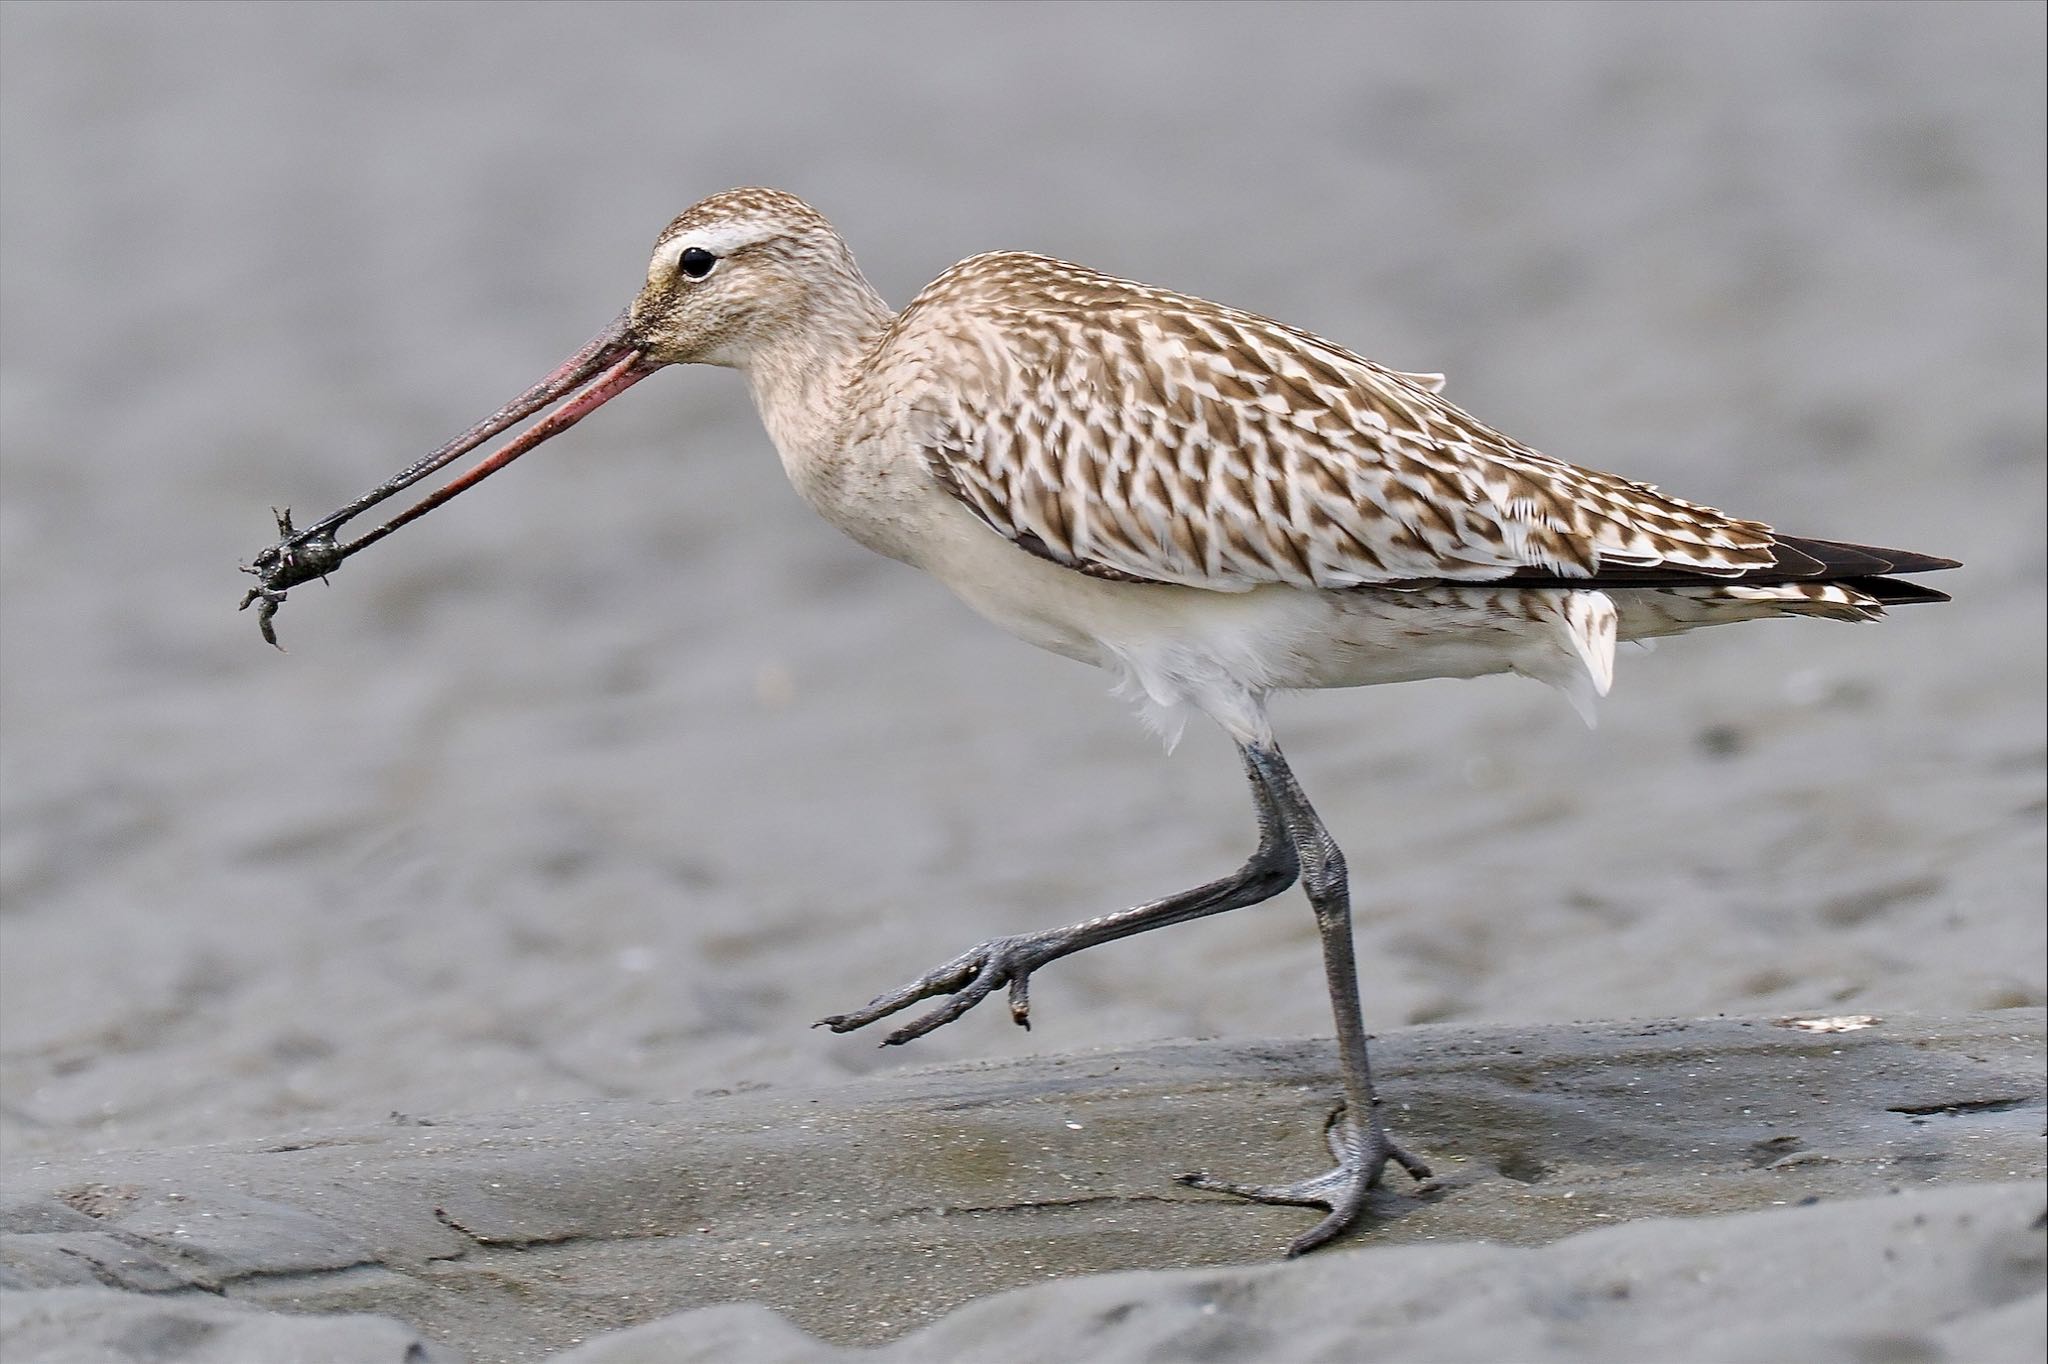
(720, 239)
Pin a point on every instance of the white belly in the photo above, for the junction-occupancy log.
(1177, 649)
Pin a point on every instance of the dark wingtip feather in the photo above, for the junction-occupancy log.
(1839, 559)
(1893, 592)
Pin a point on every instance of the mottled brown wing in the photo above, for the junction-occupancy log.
(1135, 433)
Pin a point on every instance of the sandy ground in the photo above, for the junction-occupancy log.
(608, 780)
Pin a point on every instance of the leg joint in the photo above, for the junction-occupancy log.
(1276, 859)
(1323, 870)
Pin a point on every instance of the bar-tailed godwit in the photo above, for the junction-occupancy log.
(1208, 504)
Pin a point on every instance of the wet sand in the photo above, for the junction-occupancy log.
(605, 782)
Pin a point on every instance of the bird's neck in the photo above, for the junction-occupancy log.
(800, 381)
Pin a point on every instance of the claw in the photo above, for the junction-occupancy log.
(271, 600)
(1020, 1001)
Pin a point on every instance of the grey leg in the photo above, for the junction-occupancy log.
(973, 975)
(1358, 1137)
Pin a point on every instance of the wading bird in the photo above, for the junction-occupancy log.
(1211, 505)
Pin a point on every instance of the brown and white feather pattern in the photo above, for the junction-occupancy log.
(1136, 433)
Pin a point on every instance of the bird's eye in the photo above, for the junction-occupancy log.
(696, 262)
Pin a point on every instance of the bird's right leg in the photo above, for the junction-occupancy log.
(976, 973)
(1358, 1138)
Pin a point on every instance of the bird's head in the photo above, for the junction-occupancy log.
(740, 274)
(747, 278)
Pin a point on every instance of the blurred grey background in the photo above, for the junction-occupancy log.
(611, 777)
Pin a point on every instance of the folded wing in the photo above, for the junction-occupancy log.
(1137, 434)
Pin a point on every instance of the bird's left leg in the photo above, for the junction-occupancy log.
(978, 972)
(1357, 1134)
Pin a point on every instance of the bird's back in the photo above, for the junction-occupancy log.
(1135, 432)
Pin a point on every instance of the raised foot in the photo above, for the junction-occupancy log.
(1361, 1159)
(970, 978)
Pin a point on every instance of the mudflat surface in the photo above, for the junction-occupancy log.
(604, 782)
(863, 1211)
